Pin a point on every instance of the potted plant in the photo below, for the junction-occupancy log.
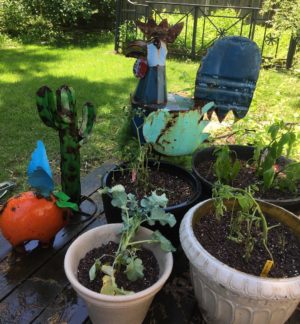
(231, 256)
(120, 262)
(265, 164)
(141, 173)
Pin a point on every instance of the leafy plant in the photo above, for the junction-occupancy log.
(244, 221)
(282, 139)
(134, 213)
(285, 14)
(135, 153)
(226, 166)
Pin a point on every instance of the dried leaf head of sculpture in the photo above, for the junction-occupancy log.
(163, 30)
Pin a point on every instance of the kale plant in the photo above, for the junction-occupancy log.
(148, 210)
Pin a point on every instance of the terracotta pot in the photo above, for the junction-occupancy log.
(243, 153)
(114, 309)
(113, 214)
(229, 296)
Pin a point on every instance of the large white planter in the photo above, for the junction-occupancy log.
(104, 309)
(227, 296)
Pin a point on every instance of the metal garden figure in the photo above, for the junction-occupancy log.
(225, 81)
(60, 113)
(150, 66)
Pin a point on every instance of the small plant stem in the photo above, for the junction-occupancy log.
(142, 242)
(263, 221)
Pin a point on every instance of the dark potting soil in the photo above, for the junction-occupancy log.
(151, 269)
(177, 189)
(284, 246)
(245, 178)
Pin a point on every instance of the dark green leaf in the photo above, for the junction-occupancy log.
(67, 204)
(268, 177)
(61, 196)
(134, 269)
(165, 244)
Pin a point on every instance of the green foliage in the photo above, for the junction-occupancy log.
(133, 152)
(149, 210)
(285, 15)
(45, 20)
(226, 166)
(281, 141)
(246, 220)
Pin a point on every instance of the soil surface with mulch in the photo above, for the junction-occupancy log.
(177, 189)
(284, 246)
(245, 178)
(151, 269)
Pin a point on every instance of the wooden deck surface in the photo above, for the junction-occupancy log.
(34, 288)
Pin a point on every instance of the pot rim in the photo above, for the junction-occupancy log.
(186, 224)
(196, 193)
(107, 298)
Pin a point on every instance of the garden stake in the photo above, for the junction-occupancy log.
(62, 116)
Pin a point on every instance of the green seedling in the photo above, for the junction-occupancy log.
(149, 210)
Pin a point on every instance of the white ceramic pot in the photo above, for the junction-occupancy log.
(104, 309)
(227, 296)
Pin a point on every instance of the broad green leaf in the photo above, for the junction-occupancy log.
(273, 130)
(134, 269)
(235, 169)
(268, 177)
(67, 204)
(117, 188)
(154, 201)
(119, 199)
(165, 244)
(245, 202)
(93, 270)
(61, 196)
(158, 214)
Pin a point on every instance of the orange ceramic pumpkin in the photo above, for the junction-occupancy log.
(29, 216)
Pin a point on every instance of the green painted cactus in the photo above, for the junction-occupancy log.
(62, 116)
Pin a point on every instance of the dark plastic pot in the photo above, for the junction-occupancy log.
(113, 214)
(244, 153)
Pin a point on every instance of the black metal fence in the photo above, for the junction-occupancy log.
(204, 23)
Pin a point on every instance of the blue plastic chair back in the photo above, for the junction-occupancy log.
(228, 75)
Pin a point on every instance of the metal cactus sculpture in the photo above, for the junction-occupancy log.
(61, 114)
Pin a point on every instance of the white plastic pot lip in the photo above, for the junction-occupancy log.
(187, 221)
(107, 298)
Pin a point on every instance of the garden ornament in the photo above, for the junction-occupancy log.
(227, 78)
(61, 114)
(38, 214)
(150, 66)
(228, 75)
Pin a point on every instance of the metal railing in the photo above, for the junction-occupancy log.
(204, 23)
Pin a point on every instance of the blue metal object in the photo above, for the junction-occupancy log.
(39, 172)
(176, 133)
(228, 75)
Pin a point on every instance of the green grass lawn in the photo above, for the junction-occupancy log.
(106, 79)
